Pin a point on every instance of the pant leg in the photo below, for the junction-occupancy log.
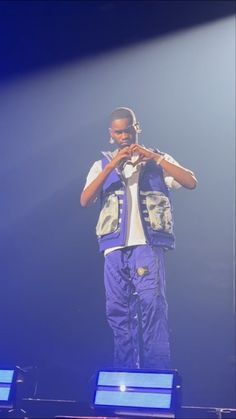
(149, 282)
(119, 306)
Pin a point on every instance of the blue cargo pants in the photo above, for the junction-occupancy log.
(136, 307)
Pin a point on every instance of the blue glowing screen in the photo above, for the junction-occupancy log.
(134, 390)
(4, 392)
(6, 376)
(160, 400)
(145, 380)
(6, 380)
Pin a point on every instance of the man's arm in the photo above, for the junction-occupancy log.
(91, 192)
(182, 175)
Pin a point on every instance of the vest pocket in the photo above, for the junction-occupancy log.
(159, 212)
(109, 216)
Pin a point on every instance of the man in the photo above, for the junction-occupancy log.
(134, 230)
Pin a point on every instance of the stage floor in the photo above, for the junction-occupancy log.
(71, 409)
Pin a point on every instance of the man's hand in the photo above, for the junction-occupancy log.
(90, 194)
(126, 153)
(122, 155)
(182, 175)
(143, 153)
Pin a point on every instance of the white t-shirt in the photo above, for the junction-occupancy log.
(130, 174)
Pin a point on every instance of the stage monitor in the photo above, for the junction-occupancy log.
(140, 392)
(7, 386)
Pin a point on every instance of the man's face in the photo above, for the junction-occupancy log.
(123, 132)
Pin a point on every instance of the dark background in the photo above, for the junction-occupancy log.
(64, 66)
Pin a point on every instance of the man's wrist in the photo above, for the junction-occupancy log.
(110, 166)
(159, 158)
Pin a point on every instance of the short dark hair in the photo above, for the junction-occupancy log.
(120, 113)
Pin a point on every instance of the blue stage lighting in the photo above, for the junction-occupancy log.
(138, 392)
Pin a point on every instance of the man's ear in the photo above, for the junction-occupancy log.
(111, 141)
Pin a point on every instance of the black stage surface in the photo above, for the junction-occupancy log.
(47, 408)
